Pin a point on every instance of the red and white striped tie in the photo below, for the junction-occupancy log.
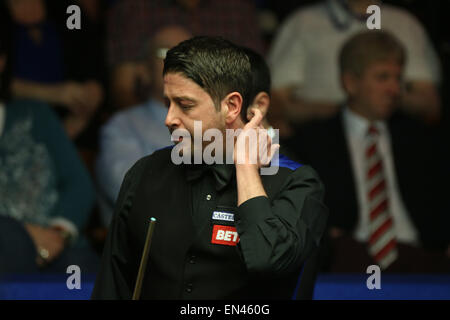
(382, 242)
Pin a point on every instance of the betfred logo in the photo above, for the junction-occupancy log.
(225, 235)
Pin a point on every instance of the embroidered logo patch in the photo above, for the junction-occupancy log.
(225, 235)
(223, 216)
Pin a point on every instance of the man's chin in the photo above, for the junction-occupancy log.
(385, 112)
(175, 142)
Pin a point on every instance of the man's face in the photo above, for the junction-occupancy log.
(188, 102)
(375, 93)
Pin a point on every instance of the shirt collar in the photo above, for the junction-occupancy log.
(358, 125)
(339, 13)
(222, 173)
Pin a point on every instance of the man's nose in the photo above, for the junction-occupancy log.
(394, 87)
(172, 119)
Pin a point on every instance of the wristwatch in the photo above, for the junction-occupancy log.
(43, 253)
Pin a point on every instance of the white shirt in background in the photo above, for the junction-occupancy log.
(304, 54)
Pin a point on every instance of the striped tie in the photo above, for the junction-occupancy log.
(382, 242)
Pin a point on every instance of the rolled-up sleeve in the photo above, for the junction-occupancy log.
(277, 235)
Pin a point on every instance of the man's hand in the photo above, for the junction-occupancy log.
(94, 92)
(72, 96)
(82, 99)
(250, 154)
(48, 240)
(253, 145)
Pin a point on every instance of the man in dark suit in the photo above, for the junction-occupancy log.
(383, 184)
(224, 230)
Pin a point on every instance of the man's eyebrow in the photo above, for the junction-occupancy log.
(185, 98)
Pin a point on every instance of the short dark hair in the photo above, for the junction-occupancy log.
(368, 47)
(215, 64)
(261, 80)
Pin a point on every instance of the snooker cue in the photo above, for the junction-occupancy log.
(141, 272)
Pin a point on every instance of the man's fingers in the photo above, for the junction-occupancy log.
(273, 149)
(255, 120)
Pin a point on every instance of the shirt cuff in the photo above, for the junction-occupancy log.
(67, 225)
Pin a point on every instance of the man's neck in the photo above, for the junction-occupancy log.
(355, 108)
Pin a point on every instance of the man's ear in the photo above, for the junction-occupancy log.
(261, 102)
(350, 83)
(231, 107)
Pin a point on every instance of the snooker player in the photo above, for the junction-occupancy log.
(224, 231)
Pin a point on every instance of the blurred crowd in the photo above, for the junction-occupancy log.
(79, 107)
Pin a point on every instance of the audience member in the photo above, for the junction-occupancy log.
(261, 82)
(303, 61)
(132, 22)
(46, 193)
(45, 68)
(384, 188)
(138, 131)
(84, 60)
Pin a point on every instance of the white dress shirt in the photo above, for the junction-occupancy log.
(305, 52)
(356, 127)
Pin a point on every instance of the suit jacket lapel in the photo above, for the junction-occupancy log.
(344, 173)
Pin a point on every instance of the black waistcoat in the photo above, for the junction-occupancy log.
(183, 264)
